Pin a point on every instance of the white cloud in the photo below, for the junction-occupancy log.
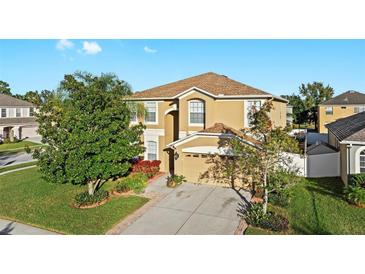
(64, 44)
(149, 50)
(91, 48)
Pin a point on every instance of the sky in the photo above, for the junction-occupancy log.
(276, 66)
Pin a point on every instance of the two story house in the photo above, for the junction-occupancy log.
(341, 106)
(17, 118)
(186, 119)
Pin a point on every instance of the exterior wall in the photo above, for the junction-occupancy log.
(332, 140)
(344, 163)
(278, 114)
(338, 112)
(11, 111)
(323, 165)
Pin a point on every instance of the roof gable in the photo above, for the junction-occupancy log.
(347, 98)
(215, 84)
(10, 101)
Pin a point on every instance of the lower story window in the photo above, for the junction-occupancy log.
(151, 150)
(362, 161)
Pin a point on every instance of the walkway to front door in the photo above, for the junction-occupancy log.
(192, 209)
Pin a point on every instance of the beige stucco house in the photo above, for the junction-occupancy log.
(348, 136)
(341, 106)
(186, 119)
(17, 118)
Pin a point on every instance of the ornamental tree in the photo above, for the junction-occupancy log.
(270, 154)
(86, 124)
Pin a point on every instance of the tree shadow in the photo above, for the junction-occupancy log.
(7, 229)
(326, 186)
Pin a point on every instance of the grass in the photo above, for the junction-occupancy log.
(18, 146)
(317, 207)
(27, 198)
(12, 167)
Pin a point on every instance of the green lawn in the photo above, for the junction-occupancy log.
(27, 198)
(7, 168)
(18, 146)
(317, 207)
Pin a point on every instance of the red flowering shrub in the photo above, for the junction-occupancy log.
(150, 168)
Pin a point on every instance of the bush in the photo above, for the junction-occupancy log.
(358, 180)
(279, 198)
(84, 199)
(355, 195)
(122, 187)
(149, 168)
(175, 180)
(136, 182)
(255, 216)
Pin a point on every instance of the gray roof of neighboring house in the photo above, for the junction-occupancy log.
(350, 97)
(321, 148)
(351, 128)
(18, 121)
(9, 101)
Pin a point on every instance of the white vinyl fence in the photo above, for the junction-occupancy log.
(323, 165)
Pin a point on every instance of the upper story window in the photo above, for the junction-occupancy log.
(359, 109)
(18, 112)
(196, 112)
(151, 112)
(151, 150)
(252, 106)
(3, 113)
(343, 107)
(31, 112)
(329, 110)
(362, 161)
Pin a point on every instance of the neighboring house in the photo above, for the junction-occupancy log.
(341, 106)
(185, 119)
(17, 118)
(348, 136)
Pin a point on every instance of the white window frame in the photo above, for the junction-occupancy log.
(358, 109)
(149, 152)
(362, 157)
(247, 110)
(6, 113)
(326, 110)
(20, 112)
(156, 111)
(196, 124)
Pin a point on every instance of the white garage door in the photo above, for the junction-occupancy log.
(29, 132)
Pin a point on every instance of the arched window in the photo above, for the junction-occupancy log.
(151, 150)
(196, 112)
(362, 161)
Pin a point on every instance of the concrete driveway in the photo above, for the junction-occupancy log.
(12, 158)
(191, 209)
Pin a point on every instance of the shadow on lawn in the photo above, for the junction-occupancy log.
(7, 229)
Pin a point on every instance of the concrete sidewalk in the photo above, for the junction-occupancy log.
(192, 209)
(14, 228)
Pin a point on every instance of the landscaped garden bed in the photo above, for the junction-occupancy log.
(25, 197)
(318, 206)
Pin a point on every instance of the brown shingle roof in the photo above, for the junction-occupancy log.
(18, 121)
(211, 82)
(9, 101)
(222, 128)
(347, 98)
(351, 128)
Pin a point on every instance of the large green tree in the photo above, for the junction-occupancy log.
(86, 125)
(299, 110)
(32, 97)
(314, 94)
(4, 88)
